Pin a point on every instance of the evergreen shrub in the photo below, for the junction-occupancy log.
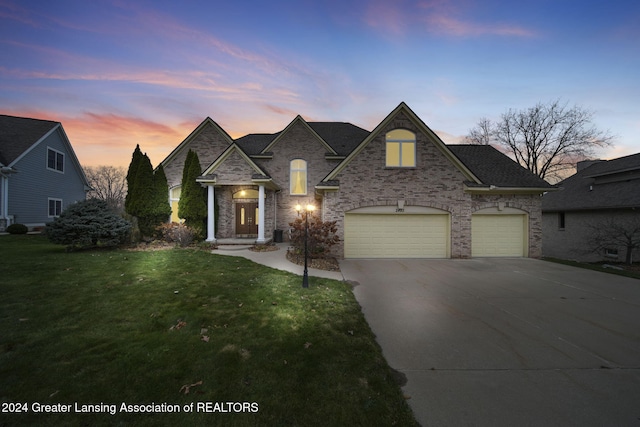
(88, 224)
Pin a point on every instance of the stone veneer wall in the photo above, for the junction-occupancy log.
(209, 143)
(297, 143)
(435, 182)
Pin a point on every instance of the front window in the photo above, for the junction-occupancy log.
(298, 176)
(174, 199)
(55, 160)
(55, 207)
(401, 149)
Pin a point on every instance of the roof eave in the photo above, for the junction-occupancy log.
(492, 189)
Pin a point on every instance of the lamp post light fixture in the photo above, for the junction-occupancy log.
(307, 209)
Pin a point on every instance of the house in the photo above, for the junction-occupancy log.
(39, 172)
(396, 191)
(602, 193)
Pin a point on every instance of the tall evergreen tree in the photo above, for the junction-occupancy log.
(192, 205)
(161, 209)
(131, 178)
(142, 196)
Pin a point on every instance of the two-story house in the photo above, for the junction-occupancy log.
(397, 191)
(39, 172)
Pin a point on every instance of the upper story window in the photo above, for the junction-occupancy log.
(55, 160)
(298, 177)
(401, 149)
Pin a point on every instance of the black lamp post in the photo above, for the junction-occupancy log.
(309, 208)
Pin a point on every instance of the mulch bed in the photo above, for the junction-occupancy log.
(327, 264)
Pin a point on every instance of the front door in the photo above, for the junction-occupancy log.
(246, 218)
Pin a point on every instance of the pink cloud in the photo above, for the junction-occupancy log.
(448, 25)
(435, 16)
(109, 139)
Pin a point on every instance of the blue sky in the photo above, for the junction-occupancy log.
(119, 73)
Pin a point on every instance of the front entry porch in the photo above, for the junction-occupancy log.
(240, 213)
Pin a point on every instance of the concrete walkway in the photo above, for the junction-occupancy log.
(275, 259)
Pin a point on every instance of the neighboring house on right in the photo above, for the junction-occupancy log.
(587, 219)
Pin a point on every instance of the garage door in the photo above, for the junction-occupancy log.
(396, 236)
(498, 235)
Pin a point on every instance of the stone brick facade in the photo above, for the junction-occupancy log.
(208, 142)
(435, 182)
(363, 180)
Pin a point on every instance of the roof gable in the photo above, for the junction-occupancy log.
(404, 108)
(19, 134)
(233, 148)
(298, 120)
(207, 122)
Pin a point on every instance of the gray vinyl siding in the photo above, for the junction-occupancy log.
(31, 188)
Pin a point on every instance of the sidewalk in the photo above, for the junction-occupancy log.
(275, 259)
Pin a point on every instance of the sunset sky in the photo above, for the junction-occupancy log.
(118, 73)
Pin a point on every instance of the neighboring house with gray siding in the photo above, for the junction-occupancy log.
(39, 172)
(601, 195)
(395, 192)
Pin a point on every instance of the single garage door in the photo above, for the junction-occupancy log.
(396, 236)
(498, 235)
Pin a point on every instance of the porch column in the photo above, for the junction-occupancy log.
(261, 238)
(210, 214)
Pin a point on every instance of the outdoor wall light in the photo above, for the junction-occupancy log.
(306, 210)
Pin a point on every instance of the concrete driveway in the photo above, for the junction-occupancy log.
(507, 342)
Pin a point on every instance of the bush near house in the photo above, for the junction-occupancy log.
(88, 224)
(173, 232)
(17, 229)
(322, 236)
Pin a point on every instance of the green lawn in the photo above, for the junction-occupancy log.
(120, 327)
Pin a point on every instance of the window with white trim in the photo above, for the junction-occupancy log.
(298, 177)
(401, 149)
(55, 207)
(55, 160)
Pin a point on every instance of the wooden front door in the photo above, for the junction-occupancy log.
(246, 218)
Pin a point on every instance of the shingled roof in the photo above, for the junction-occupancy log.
(254, 143)
(607, 184)
(494, 168)
(18, 134)
(342, 137)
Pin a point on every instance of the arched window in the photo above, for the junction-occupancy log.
(401, 149)
(298, 177)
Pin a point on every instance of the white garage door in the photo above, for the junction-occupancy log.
(498, 235)
(395, 236)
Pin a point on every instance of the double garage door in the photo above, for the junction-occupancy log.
(427, 236)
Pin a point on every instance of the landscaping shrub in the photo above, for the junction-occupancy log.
(176, 233)
(17, 229)
(88, 224)
(322, 236)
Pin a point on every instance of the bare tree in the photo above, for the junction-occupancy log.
(614, 233)
(482, 133)
(547, 139)
(108, 183)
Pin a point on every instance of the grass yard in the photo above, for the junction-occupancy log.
(99, 329)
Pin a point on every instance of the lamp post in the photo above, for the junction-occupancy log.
(309, 208)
